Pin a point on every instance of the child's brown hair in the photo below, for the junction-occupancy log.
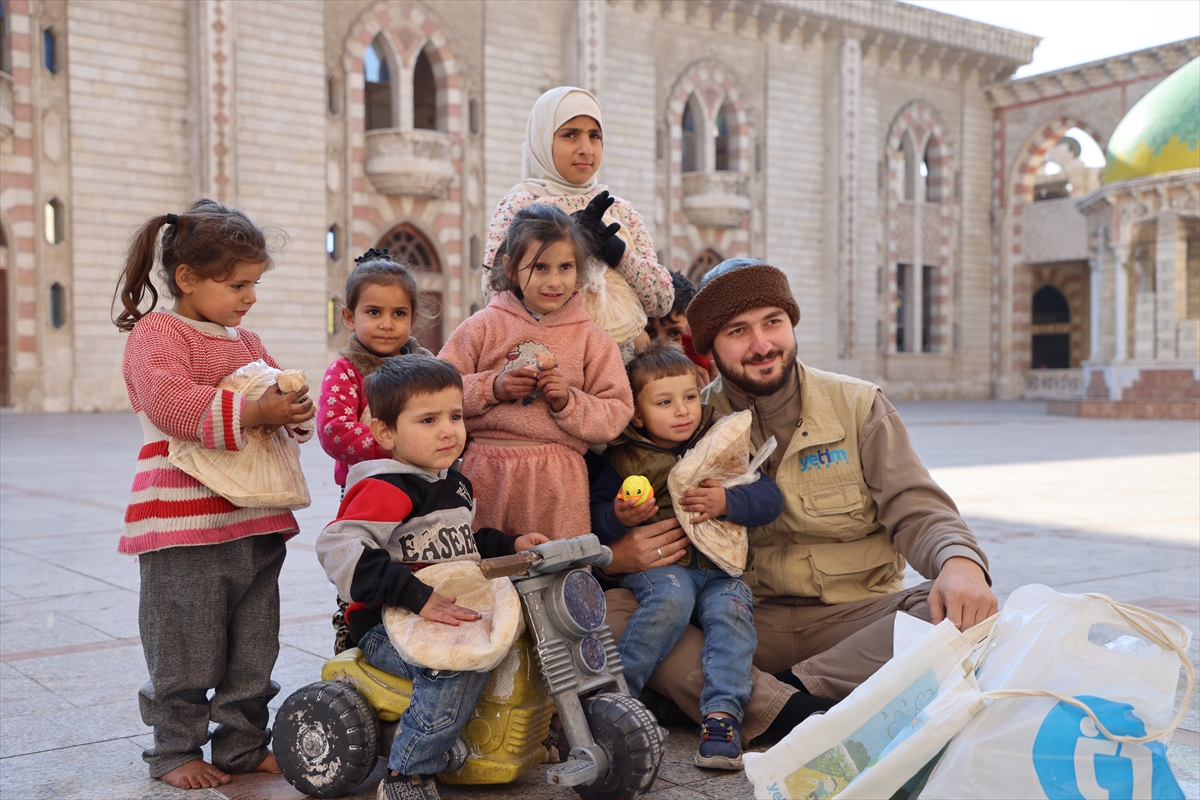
(662, 358)
(378, 268)
(399, 380)
(212, 239)
(542, 224)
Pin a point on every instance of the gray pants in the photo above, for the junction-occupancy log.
(831, 649)
(209, 619)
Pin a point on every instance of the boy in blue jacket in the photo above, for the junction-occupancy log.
(668, 420)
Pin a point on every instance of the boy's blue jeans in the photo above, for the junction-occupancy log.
(668, 598)
(442, 702)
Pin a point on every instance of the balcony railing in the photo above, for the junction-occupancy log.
(716, 199)
(6, 105)
(416, 163)
(1052, 383)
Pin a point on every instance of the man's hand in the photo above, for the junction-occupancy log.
(707, 502)
(653, 545)
(443, 609)
(961, 593)
(514, 384)
(528, 541)
(630, 515)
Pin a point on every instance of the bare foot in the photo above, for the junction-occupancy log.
(196, 774)
(268, 764)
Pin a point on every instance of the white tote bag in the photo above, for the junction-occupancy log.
(1070, 718)
(872, 742)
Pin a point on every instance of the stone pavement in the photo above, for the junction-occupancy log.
(1109, 506)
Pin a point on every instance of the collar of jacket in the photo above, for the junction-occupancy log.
(570, 313)
(389, 466)
(632, 435)
(818, 417)
(367, 362)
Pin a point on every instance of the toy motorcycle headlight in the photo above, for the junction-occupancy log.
(590, 654)
(576, 603)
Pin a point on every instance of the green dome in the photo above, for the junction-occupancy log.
(1161, 133)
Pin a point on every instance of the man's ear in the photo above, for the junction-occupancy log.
(383, 434)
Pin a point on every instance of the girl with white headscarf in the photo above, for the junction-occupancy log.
(563, 147)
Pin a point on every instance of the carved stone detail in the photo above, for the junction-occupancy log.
(414, 163)
(716, 199)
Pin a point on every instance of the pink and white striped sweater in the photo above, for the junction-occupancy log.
(172, 366)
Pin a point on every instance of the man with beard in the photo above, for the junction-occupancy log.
(827, 575)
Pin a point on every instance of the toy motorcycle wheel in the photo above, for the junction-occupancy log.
(633, 741)
(326, 739)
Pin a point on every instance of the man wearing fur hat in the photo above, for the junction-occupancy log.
(827, 575)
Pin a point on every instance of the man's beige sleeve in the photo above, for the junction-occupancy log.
(922, 520)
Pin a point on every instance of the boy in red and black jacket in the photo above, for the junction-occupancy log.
(398, 516)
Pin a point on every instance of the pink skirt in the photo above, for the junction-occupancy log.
(529, 489)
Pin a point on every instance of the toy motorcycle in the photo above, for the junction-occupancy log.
(329, 734)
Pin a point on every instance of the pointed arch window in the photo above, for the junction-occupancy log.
(908, 151)
(409, 246)
(425, 110)
(723, 145)
(926, 174)
(378, 80)
(690, 139)
(702, 263)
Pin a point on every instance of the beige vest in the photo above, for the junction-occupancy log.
(828, 543)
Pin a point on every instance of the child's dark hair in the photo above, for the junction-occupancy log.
(684, 292)
(662, 358)
(212, 239)
(399, 380)
(542, 224)
(378, 268)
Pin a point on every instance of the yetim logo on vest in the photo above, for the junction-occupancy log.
(823, 459)
(1074, 760)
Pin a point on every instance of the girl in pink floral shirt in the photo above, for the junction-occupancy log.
(382, 306)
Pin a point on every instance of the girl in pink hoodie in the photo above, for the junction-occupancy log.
(541, 382)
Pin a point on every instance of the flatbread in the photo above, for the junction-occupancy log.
(477, 646)
(722, 455)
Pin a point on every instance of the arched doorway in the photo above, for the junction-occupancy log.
(702, 264)
(408, 246)
(1051, 345)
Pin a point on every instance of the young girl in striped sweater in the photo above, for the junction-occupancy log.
(209, 606)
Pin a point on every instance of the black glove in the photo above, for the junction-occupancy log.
(602, 238)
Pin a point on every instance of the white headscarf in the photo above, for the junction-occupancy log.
(539, 176)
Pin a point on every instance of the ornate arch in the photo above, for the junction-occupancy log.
(922, 122)
(1032, 154)
(408, 29)
(713, 85)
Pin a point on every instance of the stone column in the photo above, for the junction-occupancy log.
(1096, 296)
(590, 45)
(1120, 303)
(849, 91)
(211, 122)
(1170, 283)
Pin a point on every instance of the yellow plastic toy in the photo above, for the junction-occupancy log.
(506, 732)
(637, 489)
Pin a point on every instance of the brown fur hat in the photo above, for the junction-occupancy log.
(732, 287)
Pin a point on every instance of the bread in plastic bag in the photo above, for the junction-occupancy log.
(266, 473)
(613, 305)
(476, 646)
(723, 455)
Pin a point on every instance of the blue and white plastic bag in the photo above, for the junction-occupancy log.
(1069, 718)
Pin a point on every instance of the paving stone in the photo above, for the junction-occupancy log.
(21, 696)
(70, 727)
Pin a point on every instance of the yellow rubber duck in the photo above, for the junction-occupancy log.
(637, 490)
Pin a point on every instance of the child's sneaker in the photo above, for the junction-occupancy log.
(405, 787)
(720, 744)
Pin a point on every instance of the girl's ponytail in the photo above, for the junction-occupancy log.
(135, 281)
(210, 238)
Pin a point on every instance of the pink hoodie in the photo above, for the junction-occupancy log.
(504, 336)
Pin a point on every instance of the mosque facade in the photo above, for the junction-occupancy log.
(919, 199)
